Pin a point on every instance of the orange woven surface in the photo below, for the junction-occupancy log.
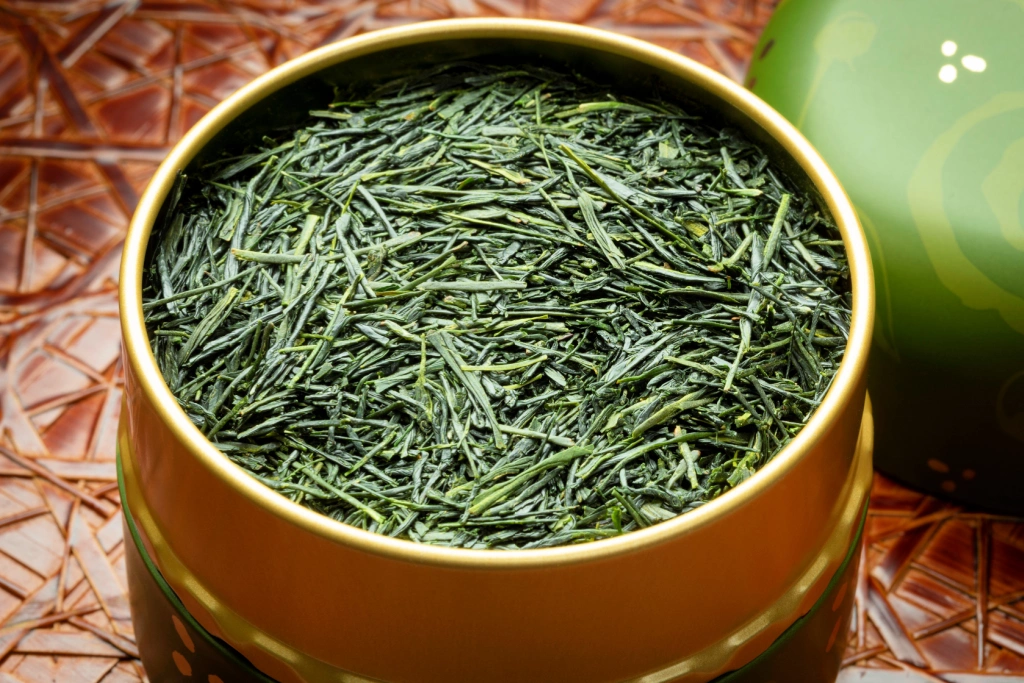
(92, 94)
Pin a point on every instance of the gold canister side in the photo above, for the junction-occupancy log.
(289, 663)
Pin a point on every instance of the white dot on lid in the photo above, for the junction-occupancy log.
(949, 48)
(974, 63)
(947, 74)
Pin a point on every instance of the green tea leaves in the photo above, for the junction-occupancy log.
(497, 308)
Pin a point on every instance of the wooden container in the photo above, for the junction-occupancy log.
(306, 598)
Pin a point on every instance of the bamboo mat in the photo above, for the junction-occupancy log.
(91, 97)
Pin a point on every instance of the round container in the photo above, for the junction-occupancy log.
(306, 598)
(918, 106)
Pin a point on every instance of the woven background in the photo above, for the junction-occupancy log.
(91, 97)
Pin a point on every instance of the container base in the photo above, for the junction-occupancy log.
(811, 650)
(174, 647)
(172, 644)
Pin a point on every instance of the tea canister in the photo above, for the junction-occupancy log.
(232, 581)
(918, 107)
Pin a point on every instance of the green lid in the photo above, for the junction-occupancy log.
(918, 107)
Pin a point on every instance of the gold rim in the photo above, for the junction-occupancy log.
(150, 380)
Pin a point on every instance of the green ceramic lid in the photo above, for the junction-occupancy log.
(918, 106)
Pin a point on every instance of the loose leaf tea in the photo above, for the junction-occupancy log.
(497, 307)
